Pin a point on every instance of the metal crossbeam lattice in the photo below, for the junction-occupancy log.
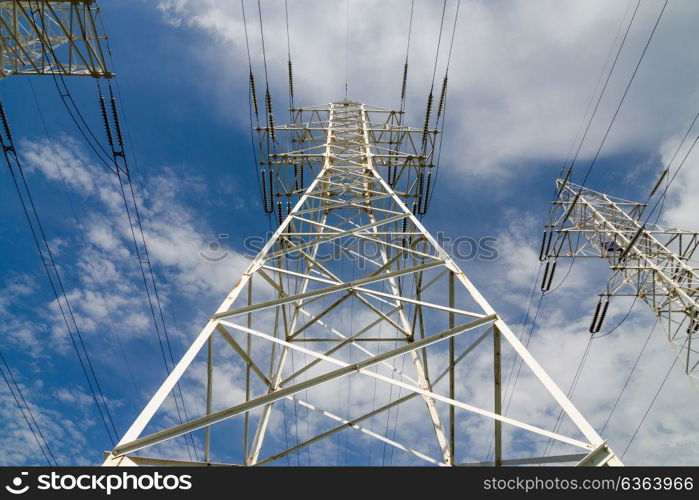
(352, 287)
(649, 261)
(51, 37)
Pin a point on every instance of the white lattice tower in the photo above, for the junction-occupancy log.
(47, 37)
(351, 288)
(649, 261)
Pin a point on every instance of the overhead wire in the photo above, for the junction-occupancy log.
(442, 110)
(100, 287)
(129, 198)
(37, 230)
(625, 93)
(589, 123)
(628, 378)
(136, 225)
(25, 409)
(647, 411)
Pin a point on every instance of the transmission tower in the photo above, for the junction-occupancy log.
(350, 288)
(51, 37)
(648, 261)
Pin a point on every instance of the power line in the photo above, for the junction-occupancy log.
(135, 221)
(626, 91)
(48, 262)
(442, 109)
(645, 414)
(83, 243)
(628, 379)
(14, 386)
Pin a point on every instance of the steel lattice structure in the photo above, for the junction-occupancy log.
(352, 287)
(51, 37)
(649, 261)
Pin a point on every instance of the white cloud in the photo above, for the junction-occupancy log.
(520, 80)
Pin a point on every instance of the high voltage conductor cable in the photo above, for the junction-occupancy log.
(15, 390)
(623, 97)
(116, 118)
(666, 170)
(606, 82)
(143, 257)
(661, 199)
(404, 85)
(612, 123)
(253, 108)
(628, 378)
(650, 406)
(442, 107)
(268, 107)
(430, 97)
(347, 24)
(288, 50)
(48, 262)
(83, 242)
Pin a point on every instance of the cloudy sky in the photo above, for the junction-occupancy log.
(521, 80)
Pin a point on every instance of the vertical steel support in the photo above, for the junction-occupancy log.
(246, 423)
(209, 394)
(452, 369)
(497, 386)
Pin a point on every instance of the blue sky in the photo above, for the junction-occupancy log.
(520, 79)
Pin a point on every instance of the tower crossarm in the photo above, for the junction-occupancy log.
(649, 261)
(294, 151)
(52, 37)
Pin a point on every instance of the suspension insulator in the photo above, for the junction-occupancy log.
(270, 175)
(404, 87)
(602, 315)
(5, 124)
(288, 208)
(271, 127)
(117, 125)
(595, 317)
(659, 183)
(268, 102)
(426, 127)
(548, 244)
(107, 128)
(253, 95)
(545, 277)
(265, 200)
(404, 229)
(545, 236)
(417, 207)
(442, 99)
(549, 271)
(414, 209)
(296, 177)
(291, 82)
(301, 176)
(427, 192)
(280, 217)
